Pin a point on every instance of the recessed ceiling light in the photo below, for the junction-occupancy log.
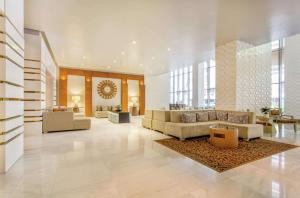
(153, 58)
(123, 53)
(169, 49)
(133, 42)
(108, 67)
(84, 57)
(115, 61)
(141, 64)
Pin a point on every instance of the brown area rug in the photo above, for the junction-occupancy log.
(221, 160)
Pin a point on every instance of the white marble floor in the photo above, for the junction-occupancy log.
(123, 161)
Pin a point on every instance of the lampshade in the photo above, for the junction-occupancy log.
(134, 99)
(76, 99)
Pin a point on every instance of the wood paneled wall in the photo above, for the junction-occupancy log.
(63, 87)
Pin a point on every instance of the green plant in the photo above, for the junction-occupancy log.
(119, 108)
(265, 110)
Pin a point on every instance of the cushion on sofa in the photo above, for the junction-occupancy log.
(104, 108)
(188, 118)
(238, 118)
(202, 116)
(222, 115)
(212, 115)
(98, 108)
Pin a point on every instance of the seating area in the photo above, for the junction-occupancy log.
(188, 124)
(149, 99)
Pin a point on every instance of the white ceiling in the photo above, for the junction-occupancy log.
(92, 34)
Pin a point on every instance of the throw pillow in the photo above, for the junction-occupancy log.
(222, 115)
(105, 108)
(212, 115)
(188, 118)
(238, 119)
(98, 108)
(202, 116)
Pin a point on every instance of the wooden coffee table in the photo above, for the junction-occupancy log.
(224, 138)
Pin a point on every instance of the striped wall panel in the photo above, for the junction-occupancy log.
(11, 83)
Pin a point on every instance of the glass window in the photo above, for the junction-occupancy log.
(277, 74)
(209, 83)
(181, 86)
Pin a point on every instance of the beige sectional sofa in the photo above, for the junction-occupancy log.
(170, 123)
(147, 120)
(64, 121)
(160, 118)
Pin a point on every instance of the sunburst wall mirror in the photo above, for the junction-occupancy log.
(107, 89)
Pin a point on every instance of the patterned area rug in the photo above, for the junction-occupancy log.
(221, 160)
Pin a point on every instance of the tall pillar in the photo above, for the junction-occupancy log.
(11, 82)
(124, 97)
(88, 94)
(142, 97)
(243, 76)
(34, 84)
(292, 75)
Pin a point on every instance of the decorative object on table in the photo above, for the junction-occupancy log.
(224, 137)
(107, 89)
(265, 110)
(118, 117)
(118, 108)
(76, 100)
(199, 149)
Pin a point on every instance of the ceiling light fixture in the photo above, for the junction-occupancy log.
(141, 64)
(115, 61)
(123, 53)
(169, 49)
(108, 67)
(84, 57)
(133, 42)
(153, 58)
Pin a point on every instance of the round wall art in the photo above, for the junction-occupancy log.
(107, 89)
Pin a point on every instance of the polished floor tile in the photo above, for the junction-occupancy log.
(123, 161)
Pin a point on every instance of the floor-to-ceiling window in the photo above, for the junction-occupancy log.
(209, 83)
(277, 74)
(181, 86)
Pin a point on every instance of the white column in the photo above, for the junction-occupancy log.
(292, 75)
(243, 76)
(34, 81)
(11, 82)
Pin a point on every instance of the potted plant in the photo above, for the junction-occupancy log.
(118, 108)
(265, 110)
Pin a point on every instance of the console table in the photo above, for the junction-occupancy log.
(118, 117)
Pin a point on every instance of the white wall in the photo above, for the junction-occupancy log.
(11, 83)
(243, 76)
(292, 75)
(98, 100)
(254, 78)
(157, 91)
